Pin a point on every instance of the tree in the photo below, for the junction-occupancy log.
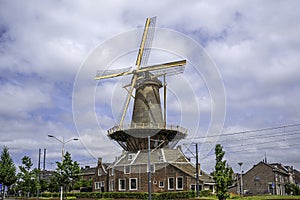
(222, 174)
(83, 183)
(292, 189)
(28, 178)
(67, 172)
(7, 169)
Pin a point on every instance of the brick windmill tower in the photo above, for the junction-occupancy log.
(148, 119)
(171, 170)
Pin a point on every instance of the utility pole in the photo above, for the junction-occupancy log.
(197, 171)
(39, 173)
(240, 164)
(197, 165)
(44, 162)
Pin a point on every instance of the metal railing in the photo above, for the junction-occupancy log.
(147, 126)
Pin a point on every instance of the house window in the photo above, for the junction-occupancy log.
(161, 158)
(122, 184)
(171, 183)
(111, 172)
(133, 184)
(127, 169)
(256, 178)
(179, 183)
(152, 168)
(99, 172)
(99, 185)
(161, 184)
(112, 185)
(194, 187)
(131, 156)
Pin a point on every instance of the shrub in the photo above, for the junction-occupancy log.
(124, 195)
(205, 193)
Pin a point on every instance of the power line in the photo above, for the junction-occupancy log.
(255, 140)
(245, 132)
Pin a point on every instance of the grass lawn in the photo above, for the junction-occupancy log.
(268, 197)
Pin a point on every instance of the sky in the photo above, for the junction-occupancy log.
(239, 88)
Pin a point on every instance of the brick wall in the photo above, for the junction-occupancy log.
(159, 179)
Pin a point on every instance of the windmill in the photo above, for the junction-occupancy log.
(147, 118)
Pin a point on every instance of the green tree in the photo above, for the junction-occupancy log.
(27, 177)
(83, 183)
(67, 172)
(222, 174)
(292, 189)
(53, 185)
(7, 169)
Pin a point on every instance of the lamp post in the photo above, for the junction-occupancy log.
(241, 190)
(63, 142)
(149, 171)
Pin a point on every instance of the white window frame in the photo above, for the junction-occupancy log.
(99, 172)
(179, 177)
(159, 184)
(193, 186)
(97, 185)
(111, 185)
(125, 171)
(136, 181)
(152, 168)
(131, 156)
(169, 183)
(101, 184)
(122, 179)
(111, 172)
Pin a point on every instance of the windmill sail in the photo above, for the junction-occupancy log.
(148, 42)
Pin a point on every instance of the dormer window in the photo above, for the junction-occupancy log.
(161, 158)
(131, 156)
(99, 172)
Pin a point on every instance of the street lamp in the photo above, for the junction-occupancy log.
(241, 191)
(63, 142)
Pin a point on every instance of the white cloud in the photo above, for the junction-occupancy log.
(255, 46)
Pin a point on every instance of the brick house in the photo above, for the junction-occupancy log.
(100, 179)
(87, 173)
(265, 178)
(171, 171)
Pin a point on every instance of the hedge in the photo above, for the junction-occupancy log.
(128, 195)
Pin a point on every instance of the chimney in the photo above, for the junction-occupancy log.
(179, 147)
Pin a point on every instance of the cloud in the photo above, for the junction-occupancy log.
(45, 46)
